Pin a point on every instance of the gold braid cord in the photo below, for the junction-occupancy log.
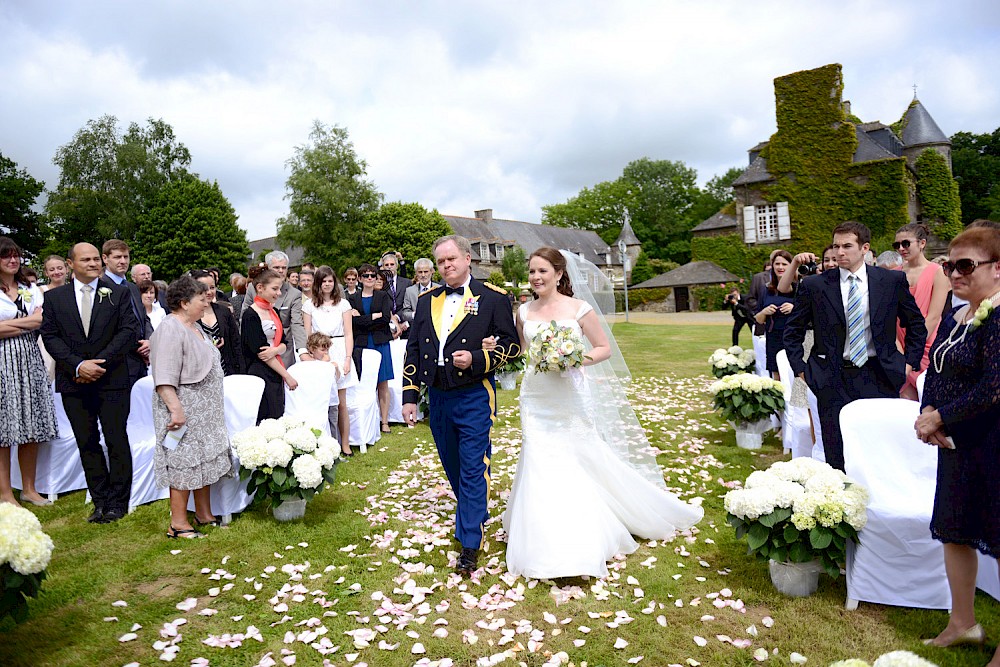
(409, 372)
(501, 356)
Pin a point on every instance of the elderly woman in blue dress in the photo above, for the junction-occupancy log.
(960, 414)
(193, 445)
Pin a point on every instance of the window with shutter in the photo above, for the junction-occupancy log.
(749, 225)
(784, 221)
(767, 222)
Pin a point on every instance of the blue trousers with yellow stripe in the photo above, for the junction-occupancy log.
(460, 421)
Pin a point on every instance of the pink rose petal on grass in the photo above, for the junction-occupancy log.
(700, 641)
(767, 621)
(119, 603)
(188, 604)
(127, 637)
(620, 643)
(760, 655)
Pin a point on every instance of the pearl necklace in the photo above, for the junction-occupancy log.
(938, 358)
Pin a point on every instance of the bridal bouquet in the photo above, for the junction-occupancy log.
(555, 348)
(799, 511)
(745, 397)
(732, 361)
(25, 552)
(284, 459)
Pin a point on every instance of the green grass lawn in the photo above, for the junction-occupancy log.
(372, 558)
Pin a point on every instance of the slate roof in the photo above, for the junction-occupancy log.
(868, 149)
(295, 254)
(920, 127)
(756, 173)
(718, 221)
(693, 273)
(628, 235)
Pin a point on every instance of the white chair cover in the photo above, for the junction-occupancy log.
(920, 385)
(897, 563)
(362, 402)
(242, 394)
(796, 434)
(760, 356)
(398, 349)
(311, 401)
(58, 469)
(818, 452)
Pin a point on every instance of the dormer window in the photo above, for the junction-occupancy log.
(484, 251)
(499, 251)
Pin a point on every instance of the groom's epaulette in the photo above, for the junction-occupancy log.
(496, 289)
(429, 291)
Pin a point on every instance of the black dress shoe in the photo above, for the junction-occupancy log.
(113, 515)
(96, 516)
(467, 562)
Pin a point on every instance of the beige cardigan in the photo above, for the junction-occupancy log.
(179, 355)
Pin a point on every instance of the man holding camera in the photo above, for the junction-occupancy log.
(741, 314)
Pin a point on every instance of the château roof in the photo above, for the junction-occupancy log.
(718, 221)
(920, 128)
(692, 273)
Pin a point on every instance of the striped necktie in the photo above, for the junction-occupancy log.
(857, 348)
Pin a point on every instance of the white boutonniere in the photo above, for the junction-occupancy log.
(983, 312)
(25, 295)
(104, 292)
(471, 305)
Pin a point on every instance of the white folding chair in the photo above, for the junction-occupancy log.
(897, 562)
(818, 452)
(242, 394)
(398, 349)
(796, 434)
(760, 356)
(310, 401)
(59, 469)
(362, 402)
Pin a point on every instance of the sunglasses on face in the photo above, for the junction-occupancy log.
(964, 266)
(367, 275)
(905, 243)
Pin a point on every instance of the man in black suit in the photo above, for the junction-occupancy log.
(89, 328)
(853, 311)
(445, 352)
(396, 287)
(116, 257)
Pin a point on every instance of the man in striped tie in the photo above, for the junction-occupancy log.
(853, 312)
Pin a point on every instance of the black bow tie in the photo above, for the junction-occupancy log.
(454, 290)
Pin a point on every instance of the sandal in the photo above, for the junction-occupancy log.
(214, 522)
(186, 534)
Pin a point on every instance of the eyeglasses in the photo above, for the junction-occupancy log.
(964, 266)
(369, 275)
(905, 243)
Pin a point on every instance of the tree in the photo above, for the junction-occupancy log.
(108, 180)
(191, 225)
(643, 270)
(496, 278)
(975, 164)
(515, 265)
(717, 193)
(18, 192)
(406, 228)
(329, 198)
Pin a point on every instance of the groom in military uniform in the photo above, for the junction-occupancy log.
(445, 352)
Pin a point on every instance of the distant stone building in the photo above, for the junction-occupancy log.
(680, 281)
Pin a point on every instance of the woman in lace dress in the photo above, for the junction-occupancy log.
(960, 414)
(578, 495)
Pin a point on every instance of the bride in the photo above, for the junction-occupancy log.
(587, 479)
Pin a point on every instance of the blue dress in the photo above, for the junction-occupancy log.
(385, 368)
(775, 327)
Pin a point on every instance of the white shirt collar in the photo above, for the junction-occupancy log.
(861, 275)
(92, 283)
(467, 281)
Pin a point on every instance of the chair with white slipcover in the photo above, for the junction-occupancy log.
(59, 469)
(312, 399)
(362, 402)
(398, 350)
(796, 433)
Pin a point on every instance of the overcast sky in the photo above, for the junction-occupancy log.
(465, 105)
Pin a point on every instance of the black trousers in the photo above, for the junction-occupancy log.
(853, 383)
(110, 479)
(738, 323)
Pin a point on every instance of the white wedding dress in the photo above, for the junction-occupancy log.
(575, 503)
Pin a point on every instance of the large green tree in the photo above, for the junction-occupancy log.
(975, 164)
(109, 180)
(18, 192)
(329, 197)
(515, 265)
(662, 199)
(190, 225)
(406, 228)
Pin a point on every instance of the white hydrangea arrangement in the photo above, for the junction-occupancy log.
(284, 459)
(893, 659)
(731, 361)
(746, 397)
(799, 511)
(25, 552)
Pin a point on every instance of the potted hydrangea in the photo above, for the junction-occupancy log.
(798, 515)
(732, 361)
(286, 462)
(25, 552)
(748, 401)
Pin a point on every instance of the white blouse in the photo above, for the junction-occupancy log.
(328, 318)
(32, 300)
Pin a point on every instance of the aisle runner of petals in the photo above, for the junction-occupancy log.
(423, 602)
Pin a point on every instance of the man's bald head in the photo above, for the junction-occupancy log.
(85, 262)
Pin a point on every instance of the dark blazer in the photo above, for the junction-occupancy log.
(755, 298)
(401, 285)
(492, 316)
(252, 338)
(820, 306)
(114, 333)
(364, 324)
(232, 347)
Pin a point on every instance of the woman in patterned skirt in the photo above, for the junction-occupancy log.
(27, 414)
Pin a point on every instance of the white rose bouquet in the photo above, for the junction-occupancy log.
(798, 511)
(731, 361)
(555, 348)
(284, 459)
(746, 397)
(25, 552)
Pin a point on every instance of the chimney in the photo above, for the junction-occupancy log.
(847, 107)
(486, 215)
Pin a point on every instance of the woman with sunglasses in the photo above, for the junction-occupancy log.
(961, 416)
(929, 288)
(372, 316)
